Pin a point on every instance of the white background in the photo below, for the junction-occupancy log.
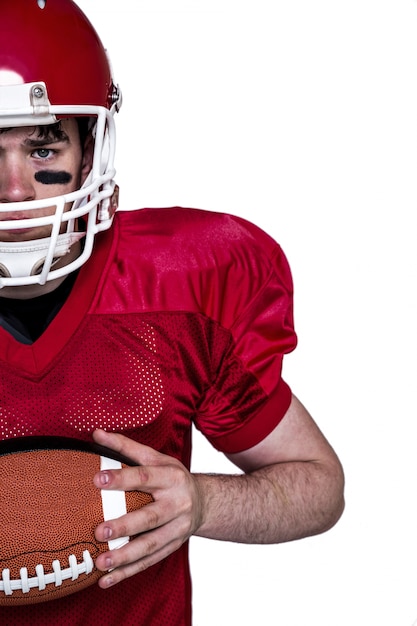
(301, 116)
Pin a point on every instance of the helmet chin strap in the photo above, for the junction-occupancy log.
(26, 258)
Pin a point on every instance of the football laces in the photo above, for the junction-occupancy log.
(56, 577)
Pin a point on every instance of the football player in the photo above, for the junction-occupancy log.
(130, 327)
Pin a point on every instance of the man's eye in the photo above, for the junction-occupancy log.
(42, 153)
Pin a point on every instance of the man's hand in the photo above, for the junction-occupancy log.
(157, 529)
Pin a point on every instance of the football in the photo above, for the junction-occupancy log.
(50, 509)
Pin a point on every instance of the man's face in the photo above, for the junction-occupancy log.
(36, 165)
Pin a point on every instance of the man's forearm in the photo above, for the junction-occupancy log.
(274, 504)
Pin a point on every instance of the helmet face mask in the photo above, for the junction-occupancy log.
(53, 67)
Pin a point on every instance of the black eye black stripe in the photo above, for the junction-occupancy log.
(50, 177)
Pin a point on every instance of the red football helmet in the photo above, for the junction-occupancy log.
(53, 66)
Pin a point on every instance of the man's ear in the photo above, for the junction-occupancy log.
(87, 159)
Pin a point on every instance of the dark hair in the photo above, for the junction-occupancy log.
(55, 131)
(83, 129)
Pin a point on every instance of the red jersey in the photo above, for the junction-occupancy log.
(180, 317)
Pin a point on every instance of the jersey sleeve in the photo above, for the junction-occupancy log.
(248, 396)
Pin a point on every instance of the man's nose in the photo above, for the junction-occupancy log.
(16, 181)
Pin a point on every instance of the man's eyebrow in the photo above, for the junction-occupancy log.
(42, 141)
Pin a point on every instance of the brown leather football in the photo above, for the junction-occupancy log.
(48, 514)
